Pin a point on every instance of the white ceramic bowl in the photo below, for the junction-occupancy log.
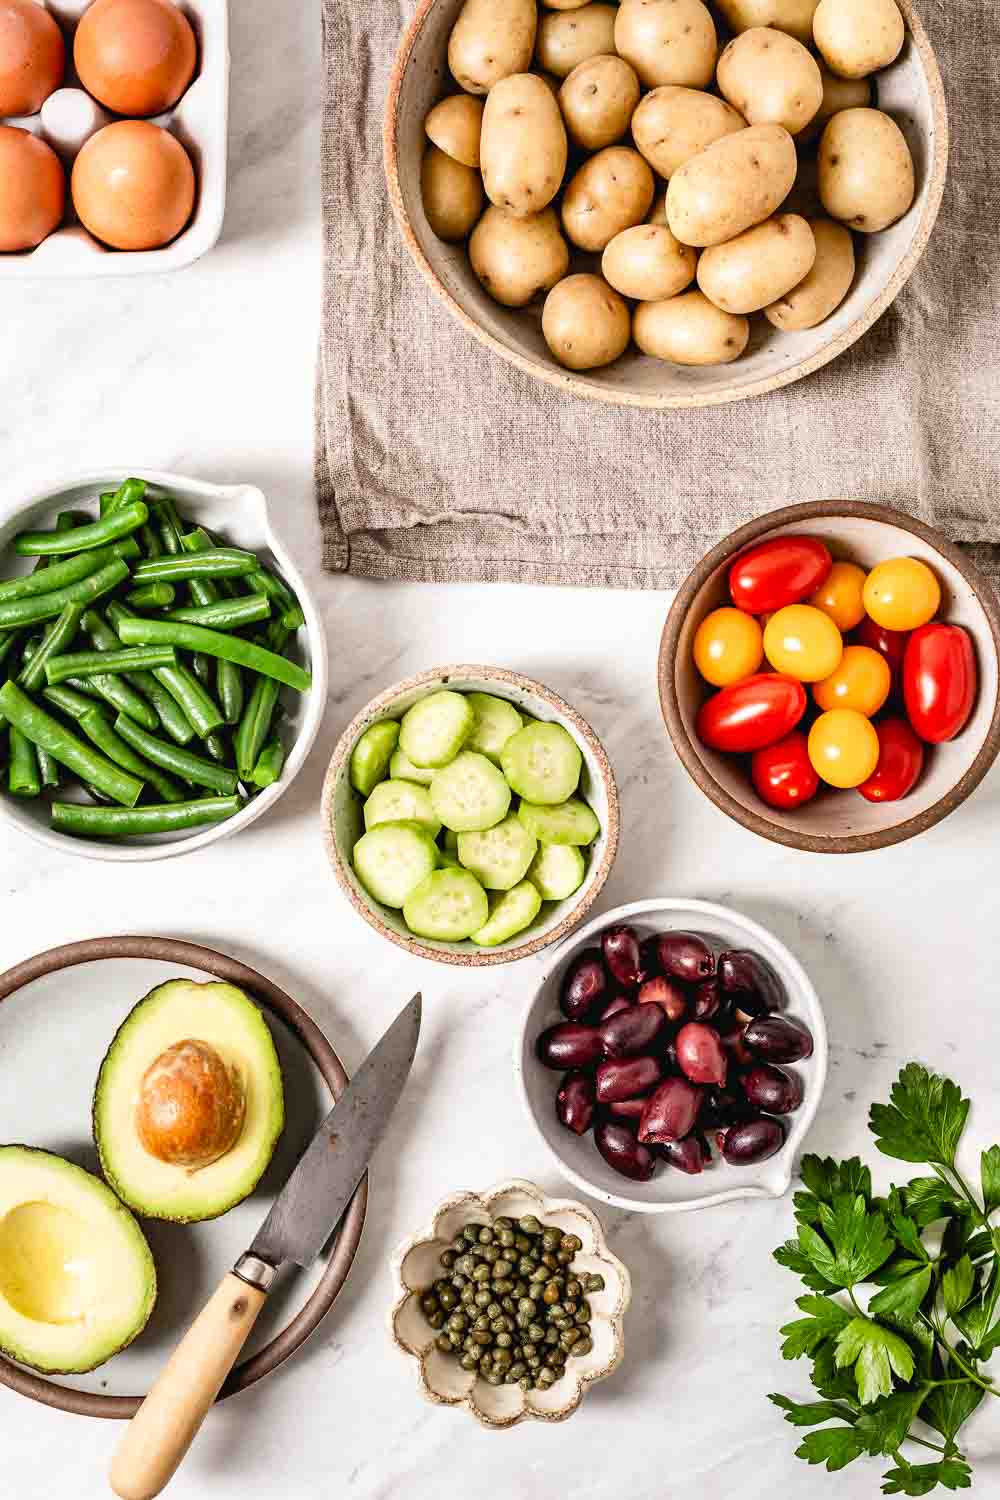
(441, 1379)
(669, 1191)
(240, 514)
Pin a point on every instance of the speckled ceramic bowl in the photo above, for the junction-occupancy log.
(341, 812)
(441, 1379)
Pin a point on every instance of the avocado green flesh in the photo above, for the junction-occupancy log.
(225, 1018)
(77, 1279)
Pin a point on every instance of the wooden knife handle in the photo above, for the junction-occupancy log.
(164, 1427)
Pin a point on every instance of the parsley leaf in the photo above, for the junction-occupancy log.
(885, 1425)
(834, 1446)
(827, 1179)
(813, 1413)
(859, 1241)
(925, 1120)
(875, 1354)
(949, 1406)
(825, 1320)
(791, 1257)
(920, 1479)
(905, 1229)
(957, 1286)
(902, 1298)
(927, 1199)
(991, 1178)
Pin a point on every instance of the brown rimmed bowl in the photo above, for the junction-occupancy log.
(911, 91)
(303, 1034)
(341, 812)
(838, 822)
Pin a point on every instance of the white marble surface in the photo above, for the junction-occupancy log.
(210, 372)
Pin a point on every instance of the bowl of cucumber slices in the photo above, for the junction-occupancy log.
(470, 815)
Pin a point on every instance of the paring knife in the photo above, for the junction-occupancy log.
(298, 1226)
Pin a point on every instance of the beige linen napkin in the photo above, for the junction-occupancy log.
(437, 461)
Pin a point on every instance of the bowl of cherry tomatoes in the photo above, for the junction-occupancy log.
(830, 676)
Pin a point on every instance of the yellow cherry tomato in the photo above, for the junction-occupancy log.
(862, 682)
(841, 596)
(843, 747)
(803, 642)
(729, 646)
(902, 594)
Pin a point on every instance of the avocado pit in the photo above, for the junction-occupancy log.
(191, 1106)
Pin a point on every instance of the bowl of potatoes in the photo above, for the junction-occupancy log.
(666, 203)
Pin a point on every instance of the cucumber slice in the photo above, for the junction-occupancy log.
(470, 794)
(571, 823)
(557, 871)
(510, 914)
(404, 770)
(449, 905)
(370, 756)
(434, 730)
(393, 859)
(542, 763)
(496, 721)
(401, 802)
(500, 856)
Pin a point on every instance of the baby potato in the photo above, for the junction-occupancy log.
(672, 124)
(598, 100)
(611, 192)
(758, 266)
(825, 287)
(523, 148)
(568, 39)
(585, 322)
(490, 40)
(690, 330)
(771, 79)
(518, 256)
(667, 41)
(455, 126)
(731, 185)
(857, 37)
(647, 263)
(792, 16)
(866, 176)
(452, 194)
(838, 94)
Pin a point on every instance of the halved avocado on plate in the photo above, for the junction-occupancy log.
(77, 1279)
(189, 1103)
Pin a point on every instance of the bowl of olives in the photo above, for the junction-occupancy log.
(673, 1056)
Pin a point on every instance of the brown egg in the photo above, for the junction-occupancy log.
(191, 1106)
(133, 185)
(32, 189)
(32, 57)
(136, 56)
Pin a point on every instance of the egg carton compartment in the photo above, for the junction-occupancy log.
(199, 120)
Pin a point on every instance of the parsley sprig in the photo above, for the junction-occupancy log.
(901, 1313)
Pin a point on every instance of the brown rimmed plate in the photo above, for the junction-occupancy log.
(79, 998)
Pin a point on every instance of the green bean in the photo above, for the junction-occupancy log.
(48, 768)
(60, 634)
(201, 665)
(229, 687)
(56, 575)
(47, 733)
(118, 523)
(126, 494)
(23, 777)
(9, 639)
(149, 543)
(217, 748)
(255, 725)
(101, 663)
(263, 581)
(269, 764)
(116, 692)
(152, 596)
(136, 632)
(186, 692)
(220, 562)
(227, 614)
(122, 822)
(163, 706)
(170, 527)
(181, 762)
(97, 729)
(29, 610)
(72, 703)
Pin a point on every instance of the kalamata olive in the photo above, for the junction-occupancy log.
(684, 955)
(772, 1090)
(569, 1045)
(628, 1109)
(619, 1003)
(706, 1000)
(575, 1102)
(685, 1155)
(778, 1040)
(749, 982)
(737, 1051)
(621, 954)
(670, 1112)
(724, 1107)
(632, 1031)
(700, 1054)
(584, 986)
(756, 1141)
(667, 994)
(624, 1078)
(623, 1152)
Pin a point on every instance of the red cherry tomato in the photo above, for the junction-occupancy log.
(785, 570)
(752, 713)
(888, 643)
(900, 762)
(783, 773)
(939, 681)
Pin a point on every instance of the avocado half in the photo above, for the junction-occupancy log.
(77, 1279)
(228, 1021)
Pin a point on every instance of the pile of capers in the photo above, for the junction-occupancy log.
(509, 1306)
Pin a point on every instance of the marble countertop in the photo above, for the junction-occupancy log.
(209, 372)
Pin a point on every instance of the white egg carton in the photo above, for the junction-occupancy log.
(200, 122)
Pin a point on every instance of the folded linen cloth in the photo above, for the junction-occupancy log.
(437, 460)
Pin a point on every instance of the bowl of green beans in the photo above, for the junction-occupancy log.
(162, 665)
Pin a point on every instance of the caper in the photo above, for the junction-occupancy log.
(570, 1337)
(536, 1333)
(494, 1310)
(471, 1233)
(565, 1257)
(522, 1243)
(506, 1238)
(504, 1340)
(546, 1378)
(584, 1313)
(520, 1289)
(503, 1286)
(573, 1288)
(540, 1273)
(530, 1349)
(509, 1305)
(563, 1323)
(570, 1306)
(458, 1281)
(490, 1255)
(443, 1342)
(469, 1362)
(448, 1259)
(436, 1319)
(483, 1336)
(527, 1306)
(447, 1298)
(582, 1346)
(429, 1303)
(485, 1235)
(493, 1378)
(548, 1259)
(502, 1269)
(529, 1224)
(595, 1283)
(458, 1322)
(518, 1368)
(482, 1298)
(551, 1293)
(551, 1239)
(481, 1273)
(551, 1336)
(572, 1243)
